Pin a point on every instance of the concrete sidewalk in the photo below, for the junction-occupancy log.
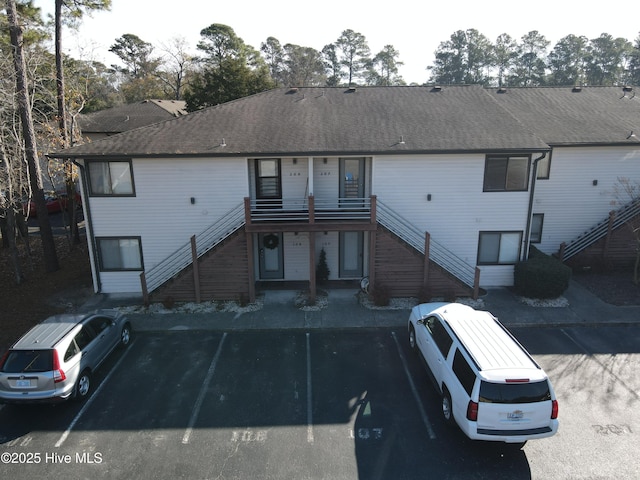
(342, 309)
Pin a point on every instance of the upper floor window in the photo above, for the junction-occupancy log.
(499, 248)
(503, 173)
(113, 177)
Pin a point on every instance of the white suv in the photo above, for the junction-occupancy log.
(490, 385)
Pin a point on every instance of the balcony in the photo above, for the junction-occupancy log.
(310, 214)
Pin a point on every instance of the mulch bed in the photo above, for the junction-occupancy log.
(616, 288)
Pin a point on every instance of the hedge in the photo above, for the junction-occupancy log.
(541, 276)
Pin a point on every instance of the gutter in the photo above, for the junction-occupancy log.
(91, 242)
(534, 175)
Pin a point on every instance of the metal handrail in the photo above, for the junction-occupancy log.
(401, 227)
(598, 231)
(230, 222)
(335, 209)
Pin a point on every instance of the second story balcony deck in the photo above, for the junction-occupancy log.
(310, 214)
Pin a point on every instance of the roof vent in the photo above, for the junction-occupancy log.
(576, 89)
(352, 89)
(292, 90)
(627, 88)
(436, 88)
(502, 90)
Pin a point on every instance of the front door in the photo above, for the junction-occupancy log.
(268, 182)
(270, 253)
(352, 177)
(351, 254)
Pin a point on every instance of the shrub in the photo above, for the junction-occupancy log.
(168, 302)
(541, 276)
(322, 271)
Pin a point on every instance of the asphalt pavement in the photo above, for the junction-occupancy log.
(344, 309)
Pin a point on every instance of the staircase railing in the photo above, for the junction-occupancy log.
(230, 222)
(401, 227)
(615, 219)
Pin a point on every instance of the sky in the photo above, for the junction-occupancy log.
(414, 28)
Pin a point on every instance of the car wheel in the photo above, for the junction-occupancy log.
(447, 407)
(412, 337)
(125, 335)
(83, 385)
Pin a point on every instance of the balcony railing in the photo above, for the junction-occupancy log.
(310, 209)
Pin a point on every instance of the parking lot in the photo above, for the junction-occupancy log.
(322, 404)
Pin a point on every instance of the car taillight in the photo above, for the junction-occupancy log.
(554, 409)
(58, 373)
(472, 411)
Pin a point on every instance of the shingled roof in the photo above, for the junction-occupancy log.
(329, 121)
(314, 121)
(576, 115)
(128, 117)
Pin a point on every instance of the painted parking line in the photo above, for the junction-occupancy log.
(423, 413)
(310, 438)
(203, 390)
(89, 401)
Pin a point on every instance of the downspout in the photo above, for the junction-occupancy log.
(91, 242)
(534, 175)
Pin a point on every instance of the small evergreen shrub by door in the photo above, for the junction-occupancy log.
(322, 270)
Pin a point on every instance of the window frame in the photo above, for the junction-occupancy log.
(500, 232)
(121, 269)
(92, 193)
(538, 238)
(505, 182)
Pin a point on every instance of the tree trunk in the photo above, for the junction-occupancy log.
(62, 117)
(62, 126)
(28, 132)
(9, 220)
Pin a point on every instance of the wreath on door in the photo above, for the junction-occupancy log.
(270, 241)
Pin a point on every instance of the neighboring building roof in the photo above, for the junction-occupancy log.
(576, 115)
(315, 121)
(128, 117)
(324, 121)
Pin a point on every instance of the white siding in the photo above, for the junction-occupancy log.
(458, 209)
(294, 179)
(161, 212)
(326, 177)
(571, 204)
(296, 255)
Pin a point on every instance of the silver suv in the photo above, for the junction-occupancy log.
(54, 360)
